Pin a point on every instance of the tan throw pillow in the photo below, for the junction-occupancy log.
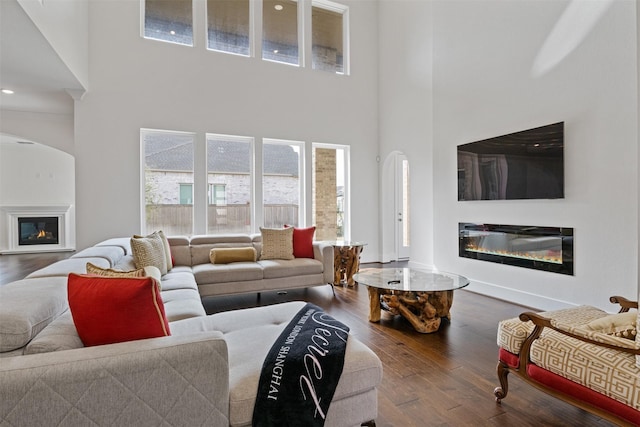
(110, 272)
(149, 250)
(277, 243)
(621, 325)
(227, 255)
(167, 250)
(613, 323)
(148, 271)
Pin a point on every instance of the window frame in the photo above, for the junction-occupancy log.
(346, 231)
(344, 11)
(302, 204)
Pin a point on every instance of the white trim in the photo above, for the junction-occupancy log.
(65, 228)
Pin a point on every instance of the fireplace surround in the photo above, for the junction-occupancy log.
(535, 247)
(30, 229)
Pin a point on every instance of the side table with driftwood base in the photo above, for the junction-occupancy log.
(423, 297)
(346, 261)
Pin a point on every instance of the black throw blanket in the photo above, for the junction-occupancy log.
(301, 371)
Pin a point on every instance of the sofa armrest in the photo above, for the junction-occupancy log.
(323, 251)
(176, 380)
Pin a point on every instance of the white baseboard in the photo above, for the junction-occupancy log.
(536, 302)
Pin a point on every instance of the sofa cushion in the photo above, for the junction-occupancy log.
(149, 250)
(180, 250)
(229, 255)
(235, 272)
(113, 254)
(604, 370)
(70, 265)
(123, 242)
(61, 334)
(277, 243)
(27, 307)
(250, 333)
(108, 310)
(513, 332)
(182, 304)
(178, 280)
(274, 268)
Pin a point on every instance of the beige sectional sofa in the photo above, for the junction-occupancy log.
(205, 373)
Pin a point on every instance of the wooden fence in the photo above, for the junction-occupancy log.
(177, 220)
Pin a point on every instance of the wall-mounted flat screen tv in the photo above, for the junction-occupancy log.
(521, 165)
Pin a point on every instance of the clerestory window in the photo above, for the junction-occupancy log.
(228, 26)
(169, 20)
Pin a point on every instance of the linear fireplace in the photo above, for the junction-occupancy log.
(38, 230)
(539, 248)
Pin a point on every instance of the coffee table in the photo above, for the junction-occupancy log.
(421, 296)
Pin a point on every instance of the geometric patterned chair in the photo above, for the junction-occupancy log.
(583, 355)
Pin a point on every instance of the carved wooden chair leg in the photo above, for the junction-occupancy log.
(371, 423)
(501, 392)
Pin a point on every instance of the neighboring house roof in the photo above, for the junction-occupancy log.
(174, 152)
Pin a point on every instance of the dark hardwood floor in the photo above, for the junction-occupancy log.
(441, 379)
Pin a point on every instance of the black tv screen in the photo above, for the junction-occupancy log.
(521, 165)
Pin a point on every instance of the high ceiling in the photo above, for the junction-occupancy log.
(30, 67)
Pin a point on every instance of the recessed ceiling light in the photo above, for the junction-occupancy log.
(275, 51)
(173, 33)
(7, 91)
(278, 7)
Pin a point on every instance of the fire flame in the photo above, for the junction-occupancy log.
(41, 234)
(550, 256)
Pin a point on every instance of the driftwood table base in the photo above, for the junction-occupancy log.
(424, 310)
(346, 263)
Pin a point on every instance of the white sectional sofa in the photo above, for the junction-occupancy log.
(205, 373)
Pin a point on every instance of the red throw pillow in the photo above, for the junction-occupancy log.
(303, 241)
(108, 310)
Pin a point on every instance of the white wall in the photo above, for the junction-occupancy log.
(64, 23)
(138, 83)
(54, 130)
(36, 175)
(483, 86)
(406, 119)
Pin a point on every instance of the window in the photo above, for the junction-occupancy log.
(217, 194)
(186, 194)
(280, 31)
(328, 40)
(169, 20)
(229, 167)
(228, 26)
(331, 192)
(282, 188)
(168, 181)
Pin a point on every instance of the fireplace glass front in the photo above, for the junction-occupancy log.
(539, 248)
(38, 230)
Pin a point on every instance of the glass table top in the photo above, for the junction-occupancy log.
(410, 279)
(343, 244)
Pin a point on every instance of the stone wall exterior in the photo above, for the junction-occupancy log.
(325, 185)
